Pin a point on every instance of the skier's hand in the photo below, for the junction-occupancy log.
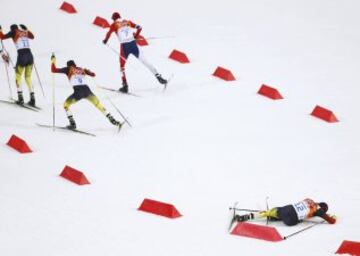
(53, 59)
(104, 41)
(0, 28)
(5, 57)
(23, 27)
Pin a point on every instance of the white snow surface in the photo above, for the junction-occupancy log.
(201, 145)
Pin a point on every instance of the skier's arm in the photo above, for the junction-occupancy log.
(54, 69)
(137, 27)
(322, 214)
(328, 218)
(6, 36)
(89, 73)
(108, 34)
(30, 35)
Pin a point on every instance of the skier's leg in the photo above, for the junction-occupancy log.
(152, 69)
(146, 63)
(28, 72)
(288, 215)
(68, 102)
(19, 70)
(123, 57)
(96, 102)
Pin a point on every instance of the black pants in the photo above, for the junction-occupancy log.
(24, 58)
(288, 215)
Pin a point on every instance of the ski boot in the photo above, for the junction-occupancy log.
(241, 218)
(161, 79)
(113, 120)
(124, 88)
(32, 99)
(72, 125)
(20, 100)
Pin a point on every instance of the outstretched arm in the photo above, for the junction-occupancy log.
(30, 35)
(137, 27)
(108, 34)
(54, 69)
(89, 73)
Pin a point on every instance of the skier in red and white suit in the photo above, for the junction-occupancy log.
(127, 32)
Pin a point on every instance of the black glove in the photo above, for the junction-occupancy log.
(0, 27)
(104, 41)
(23, 27)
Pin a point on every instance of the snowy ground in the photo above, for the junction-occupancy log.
(202, 145)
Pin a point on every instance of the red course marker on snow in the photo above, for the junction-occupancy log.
(179, 56)
(67, 7)
(18, 144)
(349, 247)
(140, 40)
(101, 22)
(324, 114)
(74, 175)
(257, 231)
(224, 74)
(270, 92)
(159, 208)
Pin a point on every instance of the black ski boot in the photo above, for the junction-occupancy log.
(241, 218)
(72, 125)
(113, 120)
(124, 88)
(161, 79)
(20, 100)
(32, 99)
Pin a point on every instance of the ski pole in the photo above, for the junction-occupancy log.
(7, 71)
(112, 103)
(301, 230)
(53, 97)
(267, 209)
(38, 77)
(156, 37)
(243, 209)
(118, 110)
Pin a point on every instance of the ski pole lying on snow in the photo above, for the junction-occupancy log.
(301, 230)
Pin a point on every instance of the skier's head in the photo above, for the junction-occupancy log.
(323, 206)
(13, 27)
(115, 16)
(70, 63)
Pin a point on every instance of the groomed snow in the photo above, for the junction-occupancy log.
(201, 145)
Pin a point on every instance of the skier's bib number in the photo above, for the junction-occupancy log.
(125, 35)
(22, 43)
(77, 80)
(301, 209)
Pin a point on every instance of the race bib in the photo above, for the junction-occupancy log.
(301, 209)
(77, 78)
(22, 43)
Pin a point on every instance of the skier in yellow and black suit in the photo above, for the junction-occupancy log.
(25, 59)
(76, 76)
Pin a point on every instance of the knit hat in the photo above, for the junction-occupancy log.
(116, 16)
(323, 206)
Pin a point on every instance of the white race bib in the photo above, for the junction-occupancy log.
(77, 79)
(301, 209)
(22, 43)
